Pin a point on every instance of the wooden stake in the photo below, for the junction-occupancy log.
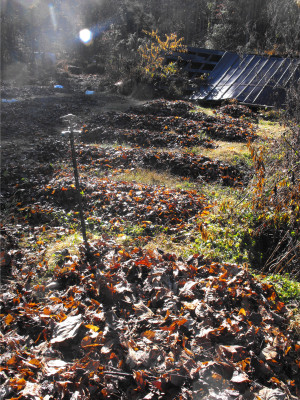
(78, 193)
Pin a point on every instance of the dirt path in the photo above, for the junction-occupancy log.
(32, 112)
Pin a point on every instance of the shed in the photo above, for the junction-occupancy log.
(250, 79)
(196, 61)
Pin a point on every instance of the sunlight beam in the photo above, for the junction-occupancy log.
(53, 16)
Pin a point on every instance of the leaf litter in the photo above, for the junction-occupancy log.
(130, 323)
(126, 322)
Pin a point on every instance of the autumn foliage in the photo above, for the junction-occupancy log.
(153, 54)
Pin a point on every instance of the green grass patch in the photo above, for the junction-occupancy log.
(287, 288)
(69, 242)
(270, 129)
(204, 110)
(152, 177)
(230, 152)
(227, 227)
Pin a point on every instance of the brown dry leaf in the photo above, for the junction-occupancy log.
(34, 390)
(142, 310)
(269, 353)
(136, 359)
(17, 383)
(53, 367)
(148, 334)
(233, 353)
(35, 363)
(139, 376)
(93, 327)
(8, 319)
(188, 289)
(13, 361)
(272, 394)
(242, 311)
(67, 330)
(240, 377)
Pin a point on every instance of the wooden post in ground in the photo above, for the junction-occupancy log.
(72, 123)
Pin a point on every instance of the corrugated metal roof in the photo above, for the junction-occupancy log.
(250, 79)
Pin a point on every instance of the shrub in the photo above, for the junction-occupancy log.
(276, 195)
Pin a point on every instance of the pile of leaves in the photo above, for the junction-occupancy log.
(39, 194)
(184, 163)
(134, 324)
(239, 111)
(113, 203)
(189, 165)
(164, 108)
(146, 138)
(168, 120)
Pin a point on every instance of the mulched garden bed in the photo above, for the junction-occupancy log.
(145, 138)
(216, 127)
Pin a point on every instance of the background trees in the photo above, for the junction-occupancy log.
(245, 25)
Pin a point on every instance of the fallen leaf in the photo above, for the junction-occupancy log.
(67, 330)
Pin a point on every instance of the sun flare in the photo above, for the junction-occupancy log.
(86, 36)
